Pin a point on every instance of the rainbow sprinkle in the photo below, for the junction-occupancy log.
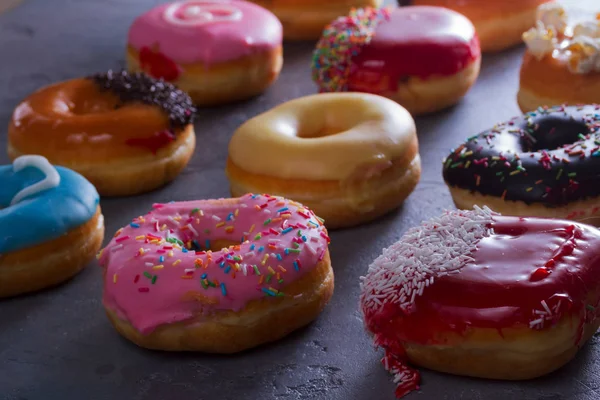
(342, 40)
(270, 256)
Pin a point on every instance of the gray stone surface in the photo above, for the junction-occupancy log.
(58, 344)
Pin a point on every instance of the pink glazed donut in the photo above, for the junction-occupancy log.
(217, 276)
(218, 51)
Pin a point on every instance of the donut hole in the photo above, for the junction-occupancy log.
(200, 244)
(552, 132)
(331, 118)
(324, 131)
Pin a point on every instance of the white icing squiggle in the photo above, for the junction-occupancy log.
(587, 28)
(196, 13)
(585, 55)
(553, 15)
(540, 40)
(578, 45)
(51, 176)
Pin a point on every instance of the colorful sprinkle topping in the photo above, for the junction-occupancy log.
(342, 40)
(179, 271)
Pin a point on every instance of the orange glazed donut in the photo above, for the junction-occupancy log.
(126, 133)
(479, 294)
(562, 61)
(218, 51)
(350, 157)
(305, 19)
(499, 23)
(179, 278)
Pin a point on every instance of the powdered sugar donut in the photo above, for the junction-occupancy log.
(216, 50)
(479, 294)
(217, 276)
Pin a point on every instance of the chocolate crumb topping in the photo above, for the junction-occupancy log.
(139, 87)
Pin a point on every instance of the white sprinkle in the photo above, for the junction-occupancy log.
(216, 218)
(557, 306)
(244, 269)
(243, 205)
(149, 265)
(173, 220)
(117, 247)
(539, 321)
(438, 247)
(546, 307)
(194, 231)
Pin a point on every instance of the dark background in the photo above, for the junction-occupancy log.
(58, 344)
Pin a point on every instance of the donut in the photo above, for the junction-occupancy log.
(424, 58)
(51, 225)
(217, 51)
(479, 294)
(350, 157)
(499, 23)
(126, 133)
(562, 61)
(544, 164)
(217, 276)
(305, 19)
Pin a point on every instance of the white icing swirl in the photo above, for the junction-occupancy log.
(51, 176)
(578, 45)
(552, 15)
(584, 55)
(195, 13)
(540, 40)
(587, 28)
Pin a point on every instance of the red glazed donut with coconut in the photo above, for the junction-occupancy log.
(217, 51)
(479, 294)
(217, 276)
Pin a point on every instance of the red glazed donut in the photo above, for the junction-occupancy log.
(479, 294)
(425, 58)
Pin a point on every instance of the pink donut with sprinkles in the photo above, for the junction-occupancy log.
(217, 276)
(216, 50)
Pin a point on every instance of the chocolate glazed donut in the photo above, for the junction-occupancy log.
(544, 163)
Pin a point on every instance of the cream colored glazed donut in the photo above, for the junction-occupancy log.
(180, 278)
(350, 157)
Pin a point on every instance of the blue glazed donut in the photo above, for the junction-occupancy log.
(50, 224)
